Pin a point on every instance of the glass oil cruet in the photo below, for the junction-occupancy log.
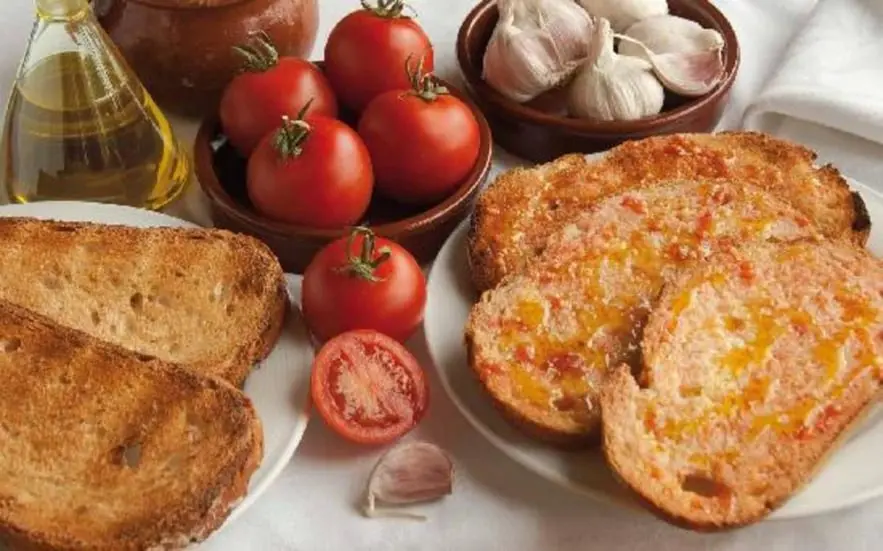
(80, 125)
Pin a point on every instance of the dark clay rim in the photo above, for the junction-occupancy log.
(485, 92)
(208, 181)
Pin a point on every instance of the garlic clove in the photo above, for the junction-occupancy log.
(624, 13)
(614, 87)
(690, 73)
(412, 472)
(535, 47)
(664, 34)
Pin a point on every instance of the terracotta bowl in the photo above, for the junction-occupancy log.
(532, 133)
(422, 231)
(182, 49)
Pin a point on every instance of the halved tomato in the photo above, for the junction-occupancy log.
(368, 387)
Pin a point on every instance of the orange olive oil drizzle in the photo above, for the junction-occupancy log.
(856, 316)
(614, 316)
(617, 315)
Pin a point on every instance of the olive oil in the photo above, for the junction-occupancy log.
(80, 126)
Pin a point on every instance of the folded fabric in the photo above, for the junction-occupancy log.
(764, 30)
(828, 90)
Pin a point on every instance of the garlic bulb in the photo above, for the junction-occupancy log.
(665, 34)
(694, 71)
(536, 45)
(614, 87)
(412, 472)
(623, 13)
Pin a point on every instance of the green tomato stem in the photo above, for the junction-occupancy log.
(289, 139)
(365, 264)
(389, 9)
(259, 54)
(423, 85)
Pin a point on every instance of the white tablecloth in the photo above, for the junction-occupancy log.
(497, 505)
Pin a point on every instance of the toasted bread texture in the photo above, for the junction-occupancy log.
(542, 342)
(209, 299)
(756, 362)
(514, 217)
(106, 449)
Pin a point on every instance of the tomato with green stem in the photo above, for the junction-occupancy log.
(423, 141)
(367, 48)
(268, 87)
(363, 281)
(313, 171)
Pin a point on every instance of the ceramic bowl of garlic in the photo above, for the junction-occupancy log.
(581, 76)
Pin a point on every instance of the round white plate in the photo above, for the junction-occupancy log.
(279, 388)
(850, 477)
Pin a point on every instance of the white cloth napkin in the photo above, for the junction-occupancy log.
(828, 90)
(764, 30)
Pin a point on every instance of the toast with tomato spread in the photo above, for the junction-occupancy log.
(208, 299)
(541, 343)
(516, 214)
(756, 363)
(107, 449)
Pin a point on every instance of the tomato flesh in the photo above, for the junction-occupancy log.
(368, 388)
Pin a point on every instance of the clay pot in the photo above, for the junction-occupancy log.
(182, 49)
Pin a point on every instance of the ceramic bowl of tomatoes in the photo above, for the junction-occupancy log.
(409, 163)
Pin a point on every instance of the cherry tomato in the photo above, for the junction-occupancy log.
(366, 52)
(268, 88)
(368, 387)
(313, 172)
(363, 282)
(423, 142)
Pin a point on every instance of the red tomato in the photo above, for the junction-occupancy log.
(363, 282)
(268, 88)
(368, 387)
(366, 52)
(423, 143)
(314, 172)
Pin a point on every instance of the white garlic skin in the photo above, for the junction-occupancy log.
(614, 87)
(690, 74)
(624, 13)
(535, 47)
(412, 472)
(622, 94)
(665, 34)
(686, 58)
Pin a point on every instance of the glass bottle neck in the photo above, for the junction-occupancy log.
(56, 9)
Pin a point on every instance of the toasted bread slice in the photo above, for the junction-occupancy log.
(106, 449)
(515, 215)
(756, 363)
(542, 342)
(209, 299)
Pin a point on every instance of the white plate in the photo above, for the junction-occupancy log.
(852, 475)
(279, 388)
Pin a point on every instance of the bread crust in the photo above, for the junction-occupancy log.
(265, 342)
(514, 216)
(209, 284)
(160, 525)
(788, 455)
